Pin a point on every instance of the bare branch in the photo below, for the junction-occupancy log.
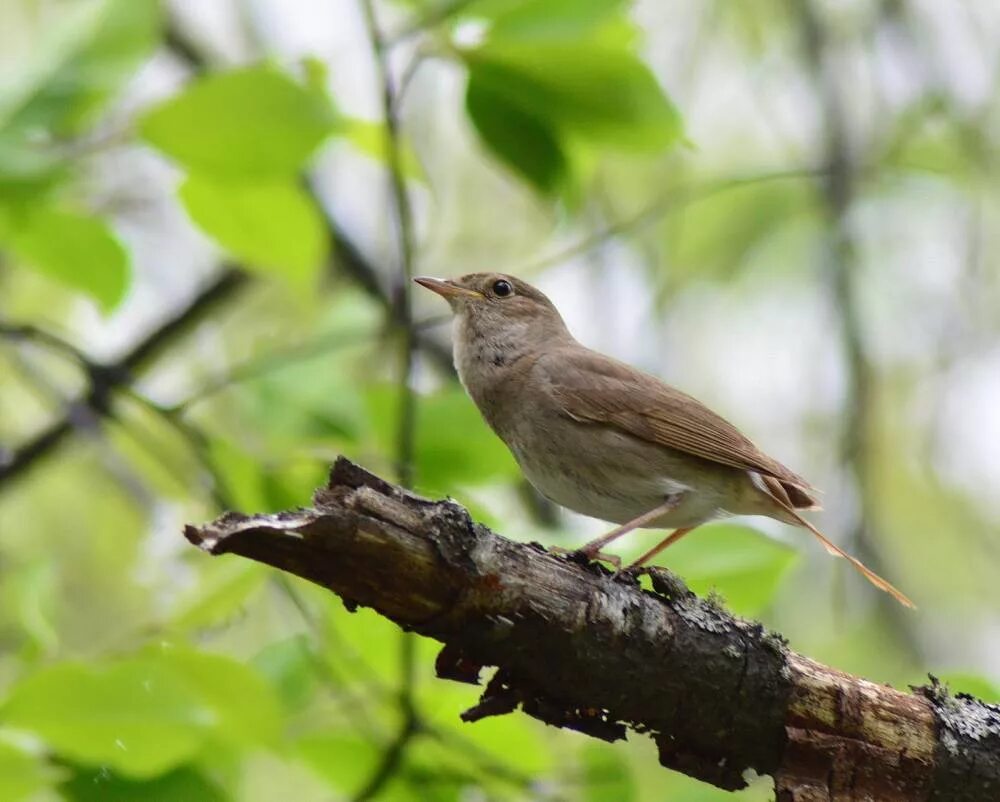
(578, 648)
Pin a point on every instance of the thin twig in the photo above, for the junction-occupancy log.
(837, 195)
(108, 377)
(259, 366)
(115, 380)
(405, 434)
(663, 204)
(403, 218)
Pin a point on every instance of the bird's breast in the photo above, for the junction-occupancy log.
(607, 474)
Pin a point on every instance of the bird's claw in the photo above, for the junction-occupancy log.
(584, 557)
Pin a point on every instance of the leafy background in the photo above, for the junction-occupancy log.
(206, 221)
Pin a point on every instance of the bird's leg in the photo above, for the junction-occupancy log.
(593, 549)
(674, 536)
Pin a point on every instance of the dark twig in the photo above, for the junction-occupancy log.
(393, 756)
(403, 217)
(104, 379)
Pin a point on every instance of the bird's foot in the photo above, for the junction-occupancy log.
(583, 556)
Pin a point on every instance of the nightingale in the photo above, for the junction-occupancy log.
(604, 439)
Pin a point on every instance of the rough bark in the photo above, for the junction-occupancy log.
(579, 648)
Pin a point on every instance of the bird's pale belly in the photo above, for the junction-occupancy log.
(616, 478)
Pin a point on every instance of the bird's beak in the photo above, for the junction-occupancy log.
(445, 288)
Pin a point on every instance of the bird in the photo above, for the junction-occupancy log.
(607, 440)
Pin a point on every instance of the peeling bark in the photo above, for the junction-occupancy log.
(578, 648)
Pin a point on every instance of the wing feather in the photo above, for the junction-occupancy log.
(592, 388)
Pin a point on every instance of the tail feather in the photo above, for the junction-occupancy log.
(836, 551)
(797, 496)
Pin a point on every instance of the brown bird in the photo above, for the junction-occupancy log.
(604, 439)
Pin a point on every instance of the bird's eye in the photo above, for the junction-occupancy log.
(502, 288)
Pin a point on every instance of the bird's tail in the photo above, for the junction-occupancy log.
(789, 515)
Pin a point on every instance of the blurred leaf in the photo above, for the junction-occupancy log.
(364, 644)
(432, 772)
(526, 143)
(253, 485)
(31, 591)
(156, 452)
(453, 445)
(81, 58)
(606, 774)
(551, 20)
(221, 591)
(136, 716)
(595, 91)
(254, 123)
(742, 564)
(750, 213)
(290, 666)
(89, 65)
(343, 760)
(973, 684)
(369, 138)
(673, 785)
(245, 710)
(144, 715)
(54, 39)
(291, 483)
(77, 250)
(516, 741)
(240, 473)
(23, 773)
(274, 227)
(181, 785)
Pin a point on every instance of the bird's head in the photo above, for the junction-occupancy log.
(499, 306)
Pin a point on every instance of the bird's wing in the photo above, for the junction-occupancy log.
(592, 388)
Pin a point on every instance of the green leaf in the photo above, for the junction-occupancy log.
(752, 214)
(46, 43)
(973, 684)
(136, 716)
(31, 591)
(223, 589)
(343, 760)
(525, 142)
(274, 227)
(147, 714)
(370, 138)
(80, 57)
(78, 250)
(181, 785)
(550, 20)
(86, 66)
(250, 124)
(240, 474)
(22, 773)
(676, 786)
(598, 92)
(515, 741)
(245, 710)
(290, 666)
(453, 447)
(742, 564)
(606, 774)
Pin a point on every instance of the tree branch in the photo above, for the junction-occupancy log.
(104, 379)
(578, 648)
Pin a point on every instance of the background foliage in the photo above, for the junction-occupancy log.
(208, 213)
